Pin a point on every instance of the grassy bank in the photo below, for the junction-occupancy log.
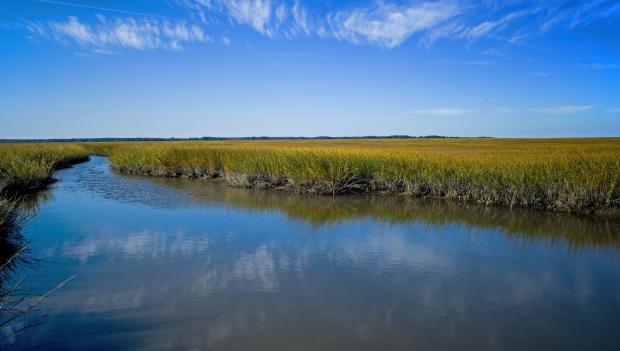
(571, 175)
(27, 167)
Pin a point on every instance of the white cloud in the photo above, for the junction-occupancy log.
(255, 13)
(300, 18)
(443, 112)
(225, 40)
(183, 32)
(385, 23)
(540, 74)
(564, 109)
(613, 110)
(74, 30)
(271, 18)
(503, 21)
(126, 32)
(281, 13)
(390, 25)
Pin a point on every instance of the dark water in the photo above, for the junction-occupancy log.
(181, 264)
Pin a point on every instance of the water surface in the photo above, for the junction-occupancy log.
(183, 264)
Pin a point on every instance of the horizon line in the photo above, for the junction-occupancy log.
(319, 137)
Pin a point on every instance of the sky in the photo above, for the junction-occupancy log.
(191, 68)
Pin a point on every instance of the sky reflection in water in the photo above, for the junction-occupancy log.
(166, 264)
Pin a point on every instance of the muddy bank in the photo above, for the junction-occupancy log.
(533, 197)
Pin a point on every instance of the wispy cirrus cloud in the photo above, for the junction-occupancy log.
(125, 32)
(383, 23)
(490, 27)
(443, 112)
(255, 13)
(98, 8)
(564, 109)
(272, 18)
(389, 25)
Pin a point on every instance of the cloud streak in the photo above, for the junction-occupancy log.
(489, 27)
(126, 32)
(255, 13)
(389, 23)
(98, 8)
(384, 23)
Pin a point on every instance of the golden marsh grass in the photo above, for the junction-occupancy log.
(573, 175)
(27, 167)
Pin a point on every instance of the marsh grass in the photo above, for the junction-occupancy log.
(25, 168)
(28, 167)
(571, 175)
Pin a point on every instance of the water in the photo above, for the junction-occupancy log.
(182, 264)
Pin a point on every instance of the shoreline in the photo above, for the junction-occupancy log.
(557, 175)
(549, 200)
(34, 185)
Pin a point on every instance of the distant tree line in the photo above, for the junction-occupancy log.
(322, 137)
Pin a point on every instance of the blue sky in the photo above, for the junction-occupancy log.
(95, 68)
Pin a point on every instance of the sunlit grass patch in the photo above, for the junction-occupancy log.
(576, 175)
(26, 167)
